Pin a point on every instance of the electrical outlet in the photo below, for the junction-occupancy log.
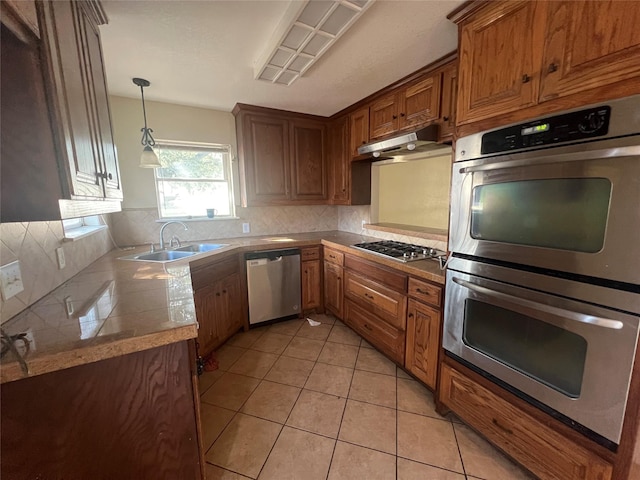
(246, 228)
(11, 280)
(61, 260)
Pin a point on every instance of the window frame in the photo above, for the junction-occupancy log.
(227, 169)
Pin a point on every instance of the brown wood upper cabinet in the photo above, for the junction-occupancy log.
(66, 75)
(518, 54)
(282, 157)
(408, 107)
(359, 129)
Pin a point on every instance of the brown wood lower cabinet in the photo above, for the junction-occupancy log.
(333, 289)
(388, 339)
(133, 416)
(537, 446)
(311, 285)
(220, 304)
(423, 342)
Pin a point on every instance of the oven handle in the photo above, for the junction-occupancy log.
(575, 316)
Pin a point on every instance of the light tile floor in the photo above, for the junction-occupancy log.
(291, 401)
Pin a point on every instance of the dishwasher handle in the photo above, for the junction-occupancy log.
(271, 255)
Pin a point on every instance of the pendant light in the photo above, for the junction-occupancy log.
(148, 159)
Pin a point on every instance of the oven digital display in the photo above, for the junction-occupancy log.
(536, 129)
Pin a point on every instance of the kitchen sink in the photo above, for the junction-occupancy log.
(201, 247)
(164, 256)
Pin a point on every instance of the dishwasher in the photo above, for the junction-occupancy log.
(273, 284)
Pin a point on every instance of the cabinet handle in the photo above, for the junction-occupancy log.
(526, 78)
(394, 116)
(501, 427)
(339, 278)
(419, 290)
(552, 67)
(402, 114)
(367, 327)
(364, 142)
(306, 271)
(217, 294)
(445, 118)
(411, 315)
(370, 297)
(224, 291)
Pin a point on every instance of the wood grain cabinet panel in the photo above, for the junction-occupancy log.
(548, 454)
(308, 160)
(384, 116)
(589, 44)
(339, 161)
(333, 289)
(266, 169)
(448, 104)
(220, 303)
(420, 102)
(423, 342)
(132, 416)
(311, 285)
(384, 302)
(359, 129)
(500, 53)
(425, 292)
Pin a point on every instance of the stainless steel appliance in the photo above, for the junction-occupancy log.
(559, 193)
(543, 284)
(402, 252)
(563, 345)
(273, 284)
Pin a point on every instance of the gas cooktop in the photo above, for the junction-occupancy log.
(402, 252)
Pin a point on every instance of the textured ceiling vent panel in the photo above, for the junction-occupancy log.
(307, 30)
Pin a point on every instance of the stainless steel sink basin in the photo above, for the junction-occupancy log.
(202, 247)
(165, 256)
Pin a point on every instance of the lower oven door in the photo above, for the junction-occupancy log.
(573, 357)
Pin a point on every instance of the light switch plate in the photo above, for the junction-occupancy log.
(11, 280)
(246, 228)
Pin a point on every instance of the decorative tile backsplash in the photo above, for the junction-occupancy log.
(140, 226)
(34, 245)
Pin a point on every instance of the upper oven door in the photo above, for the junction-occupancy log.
(574, 209)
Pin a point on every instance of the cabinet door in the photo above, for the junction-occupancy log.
(359, 129)
(500, 53)
(423, 342)
(333, 289)
(205, 301)
(228, 307)
(266, 160)
(448, 104)
(383, 116)
(66, 41)
(97, 84)
(588, 45)
(308, 160)
(339, 162)
(420, 102)
(311, 285)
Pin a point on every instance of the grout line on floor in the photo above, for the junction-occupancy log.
(464, 470)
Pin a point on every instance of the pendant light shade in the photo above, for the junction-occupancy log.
(148, 159)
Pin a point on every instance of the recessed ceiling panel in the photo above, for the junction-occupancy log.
(314, 12)
(339, 19)
(316, 44)
(299, 64)
(296, 36)
(287, 77)
(280, 58)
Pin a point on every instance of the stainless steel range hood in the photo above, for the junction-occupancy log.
(405, 145)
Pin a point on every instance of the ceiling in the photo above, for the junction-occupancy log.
(202, 53)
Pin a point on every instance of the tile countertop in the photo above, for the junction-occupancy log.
(115, 307)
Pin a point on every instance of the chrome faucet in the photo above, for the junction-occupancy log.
(162, 232)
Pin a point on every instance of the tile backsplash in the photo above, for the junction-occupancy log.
(140, 226)
(34, 244)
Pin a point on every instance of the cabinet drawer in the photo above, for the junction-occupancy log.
(207, 274)
(425, 292)
(389, 278)
(384, 302)
(310, 253)
(333, 256)
(376, 331)
(539, 448)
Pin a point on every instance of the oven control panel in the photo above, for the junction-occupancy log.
(589, 123)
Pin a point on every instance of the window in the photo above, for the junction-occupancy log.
(194, 178)
(76, 228)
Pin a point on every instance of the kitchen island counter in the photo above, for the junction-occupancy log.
(116, 307)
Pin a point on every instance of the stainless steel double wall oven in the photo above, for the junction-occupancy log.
(543, 287)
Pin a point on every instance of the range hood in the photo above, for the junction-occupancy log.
(405, 145)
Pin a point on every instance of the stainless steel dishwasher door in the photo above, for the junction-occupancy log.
(273, 283)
